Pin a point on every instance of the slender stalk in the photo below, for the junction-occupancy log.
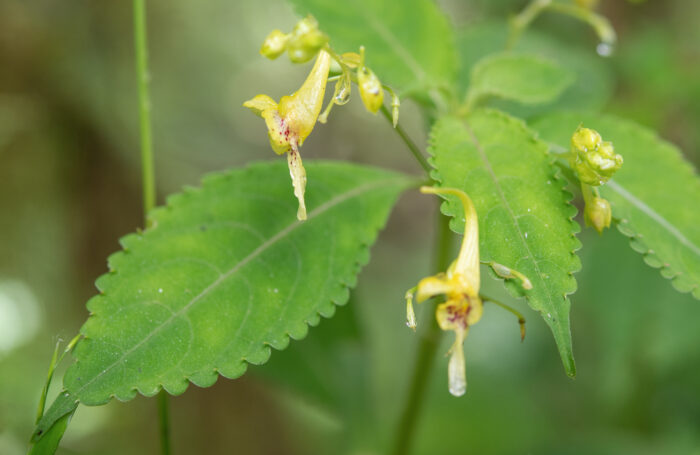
(148, 170)
(412, 147)
(522, 20)
(163, 417)
(427, 348)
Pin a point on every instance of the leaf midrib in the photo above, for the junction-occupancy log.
(254, 254)
(501, 195)
(651, 213)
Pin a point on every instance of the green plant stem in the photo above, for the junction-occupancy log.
(148, 170)
(412, 147)
(163, 417)
(520, 22)
(427, 348)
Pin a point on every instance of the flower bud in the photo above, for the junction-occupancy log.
(305, 40)
(594, 161)
(371, 90)
(598, 214)
(275, 44)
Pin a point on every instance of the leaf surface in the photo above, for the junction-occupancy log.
(226, 273)
(409, 44)
(593, 83)
(524, 214)
(655, 195)
(525, 78)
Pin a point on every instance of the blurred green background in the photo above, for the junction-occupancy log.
(69, 188)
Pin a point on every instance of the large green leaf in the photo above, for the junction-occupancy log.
(655, 195)
(525, 78)
(225, 273)
(524, 214)
(409, 43)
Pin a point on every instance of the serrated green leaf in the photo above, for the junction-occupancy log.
(409, 43)
(525, 78)
(226, 273)
(524, 214)
(656, 193)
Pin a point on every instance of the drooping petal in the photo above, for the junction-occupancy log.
(456, 371)
(410, 314)
(296, 170)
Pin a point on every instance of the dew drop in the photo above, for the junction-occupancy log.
(160, 290)
(604, 49)
(276, 290)
(526, 235)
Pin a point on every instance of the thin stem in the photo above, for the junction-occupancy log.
(427, 348)
(518, 314)
(163, 417)
(148, 170)
(409, 143)
(520, 22)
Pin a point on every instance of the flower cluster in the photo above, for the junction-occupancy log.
(595, 162)
(290, 121)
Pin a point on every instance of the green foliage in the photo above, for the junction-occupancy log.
(524, 215)
(527, 79)
(409, 43)
(49, 441)
(592, 85)
(654, 195)
(225, 274)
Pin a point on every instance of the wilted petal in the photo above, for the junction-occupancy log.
(296, 170)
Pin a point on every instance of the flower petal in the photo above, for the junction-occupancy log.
(260, 103)
(296, 170)
(432, 286)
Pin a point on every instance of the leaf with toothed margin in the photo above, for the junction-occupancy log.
(525, 218)
(226, 273)
(655, 195)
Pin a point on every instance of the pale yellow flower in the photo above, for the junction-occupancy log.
(290, 121)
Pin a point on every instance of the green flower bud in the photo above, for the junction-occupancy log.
(598, 214)
(275, 44)
(371, 90)
(594, 161)
(305, 40)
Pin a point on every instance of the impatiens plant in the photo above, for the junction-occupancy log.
(225, 273)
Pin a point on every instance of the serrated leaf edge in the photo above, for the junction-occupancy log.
(557, 176)
(262, 353)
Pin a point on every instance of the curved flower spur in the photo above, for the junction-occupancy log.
(290, 121)
(460, 285)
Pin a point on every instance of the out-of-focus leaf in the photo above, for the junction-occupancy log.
(524, 214)
(655, 195)
(527, 79)
(410, 44)
(593, 83)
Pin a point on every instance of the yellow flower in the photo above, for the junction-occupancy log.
(460, 285)
(291, 121)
